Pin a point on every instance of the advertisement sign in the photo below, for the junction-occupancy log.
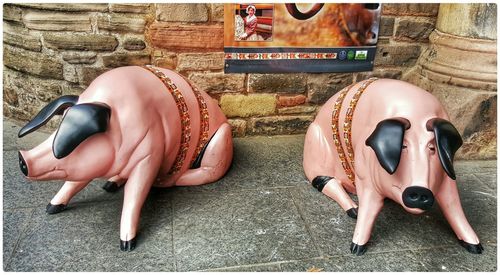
(277, 38)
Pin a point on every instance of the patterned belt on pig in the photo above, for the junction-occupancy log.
(348, 158)
(185, 119)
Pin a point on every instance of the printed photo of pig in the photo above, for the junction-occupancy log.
(384, 138)
(135, 126)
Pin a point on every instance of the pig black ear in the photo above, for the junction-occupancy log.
(448, 141)
(387, 142)
(56, 107)
(79, 123)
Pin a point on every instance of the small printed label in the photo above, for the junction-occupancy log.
(361, 55)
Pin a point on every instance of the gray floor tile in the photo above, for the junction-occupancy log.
(262, 162)
(227, 229)
(382, 262)
(15, 222)
(452, 259)
(329, 225)
(86, 238)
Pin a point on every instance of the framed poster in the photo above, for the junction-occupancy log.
(305, 37)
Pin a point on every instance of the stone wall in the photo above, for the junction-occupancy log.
(58, 49)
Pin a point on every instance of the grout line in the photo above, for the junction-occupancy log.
(306, 225)
(19, 238)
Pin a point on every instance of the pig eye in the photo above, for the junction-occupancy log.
(405, 146)
(431, 147)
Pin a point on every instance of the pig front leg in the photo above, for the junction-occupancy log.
(215, 162)
(449, 201)
(62, 198)
(370, 204)
(113, 184)
(136, 190)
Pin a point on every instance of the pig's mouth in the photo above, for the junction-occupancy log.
(50, 175)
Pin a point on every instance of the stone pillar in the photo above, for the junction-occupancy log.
(460, 68)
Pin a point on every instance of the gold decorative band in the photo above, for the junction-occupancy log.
(184, 115)
(347, 126)
(336, 133)
(204, 121)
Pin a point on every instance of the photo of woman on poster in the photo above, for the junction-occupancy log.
(253, 23)
(250, 24)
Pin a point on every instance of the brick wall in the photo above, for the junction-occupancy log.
(56, 49)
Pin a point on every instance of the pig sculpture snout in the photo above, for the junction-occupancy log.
(418, 197)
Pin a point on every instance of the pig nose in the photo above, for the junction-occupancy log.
(22, 164)
(418, 197)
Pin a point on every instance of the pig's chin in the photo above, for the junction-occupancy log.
(50, 175)
(415, 211)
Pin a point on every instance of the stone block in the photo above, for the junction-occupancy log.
(415, 29)
(10, 95)
(411, 9)
(88, 74)
(71, 89)
(200, 61)
(81, 42)
(238, 127)
(277, 83)
(21, 37)
(32, 92)
(167, 60)
(219, 82)
(386, 26)
(217, 12)
(129, 8)
(280, 125)
(38, 64)
(12, 13)
(57, 21)
(126, 59)
(134, 44)
(182, 12)
(297, 110)
(247, 106)
(187, 38)
(70, 74)
(72, 7)
(290, 101)
(323, 86)
(121, 23)
(398, 54)
(380, 73)
(79, 57)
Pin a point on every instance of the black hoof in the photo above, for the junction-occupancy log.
(472, 248)
(353, 213)
(128, 245)
(111, 187)
(54, 209)
(358, 250)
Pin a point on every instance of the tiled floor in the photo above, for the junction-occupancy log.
(262, 216)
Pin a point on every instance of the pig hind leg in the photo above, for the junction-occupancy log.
(319, 166)
(113, 184)
(62, 198)
(215, 162)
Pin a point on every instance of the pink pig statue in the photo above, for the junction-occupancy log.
(143, 125)
(386, 139)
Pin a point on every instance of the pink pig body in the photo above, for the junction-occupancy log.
(418, 161)
(140, 144)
